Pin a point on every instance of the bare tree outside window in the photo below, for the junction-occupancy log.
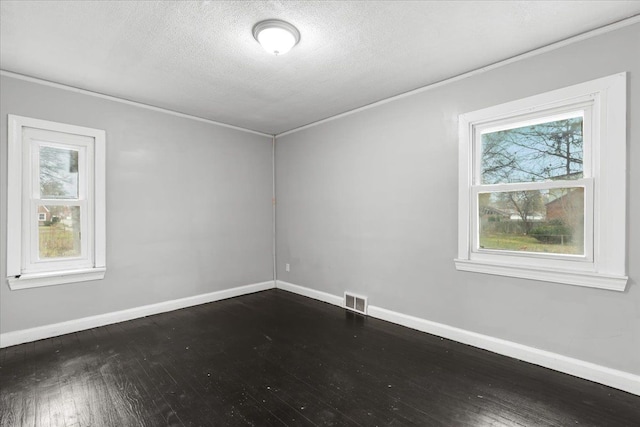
(58, 173)
(542, 152)
(59, 236)
(521, 220)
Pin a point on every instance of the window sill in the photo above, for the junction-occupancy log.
(36, 280)
(576, 278)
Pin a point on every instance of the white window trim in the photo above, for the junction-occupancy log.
(607, 269)
(15, 236)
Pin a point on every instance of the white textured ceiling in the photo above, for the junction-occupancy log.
(200, 57)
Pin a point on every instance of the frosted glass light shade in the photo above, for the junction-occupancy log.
(275, 36)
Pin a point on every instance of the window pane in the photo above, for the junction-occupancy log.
(540, 152)
(58, 173)
(547, 221)
(59, 233)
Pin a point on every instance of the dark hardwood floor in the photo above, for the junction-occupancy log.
(275, 358)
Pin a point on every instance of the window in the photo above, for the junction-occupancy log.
(542, 187)
(56, 203)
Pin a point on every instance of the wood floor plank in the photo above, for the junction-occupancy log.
(347, 377)
(17, 397)
(277, 359)
(187, 365)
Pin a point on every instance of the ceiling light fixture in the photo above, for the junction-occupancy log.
(275, 36)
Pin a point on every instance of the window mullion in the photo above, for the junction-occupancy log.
(526, 186)
(562, 229)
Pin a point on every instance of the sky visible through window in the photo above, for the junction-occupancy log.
(541, 152)
(58, 173)
(534, 219)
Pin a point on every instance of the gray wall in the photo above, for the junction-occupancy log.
(188, 207)
(368, 203)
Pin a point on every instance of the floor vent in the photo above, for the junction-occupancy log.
(355, 303)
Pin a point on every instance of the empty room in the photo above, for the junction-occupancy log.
(319, 213)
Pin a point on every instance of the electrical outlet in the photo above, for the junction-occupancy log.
(287, 267)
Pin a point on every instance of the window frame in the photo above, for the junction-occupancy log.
(604, 154)
(24, 269)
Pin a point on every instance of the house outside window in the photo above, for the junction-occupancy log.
(56, 203)
(542, 187)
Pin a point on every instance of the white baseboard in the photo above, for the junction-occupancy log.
(576, 367)
(311, 293)
(56, 329)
